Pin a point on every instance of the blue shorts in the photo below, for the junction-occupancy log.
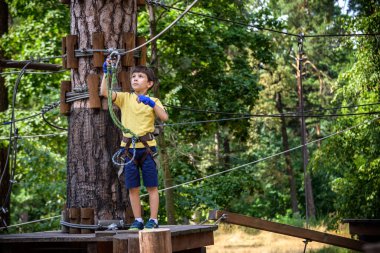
(148, 169)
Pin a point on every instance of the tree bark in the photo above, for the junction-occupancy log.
(4, 103)
(93, 138)
(162, 143)
(288, 160)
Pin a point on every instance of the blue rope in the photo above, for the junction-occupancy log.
(120, 151)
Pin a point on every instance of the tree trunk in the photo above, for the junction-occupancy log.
(288, 161)
(218, 140)
(168, 180)
(4, 184)
(227, 152)
(93, 138)
(309, 199)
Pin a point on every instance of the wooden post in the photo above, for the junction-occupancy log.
(74, 216)
(64, 59)
(125, 81)
(142, 59)
(98, 43)
(87, 217)
(71, 45)
(155, 240)
(65, 217)
(63, 106)
(128, 43)
(93, 90)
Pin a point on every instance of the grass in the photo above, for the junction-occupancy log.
(237, 239)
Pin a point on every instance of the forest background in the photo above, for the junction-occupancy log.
(231, 92)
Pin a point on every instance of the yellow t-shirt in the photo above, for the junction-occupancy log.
(137, 117)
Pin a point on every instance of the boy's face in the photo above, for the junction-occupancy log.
(140, 83)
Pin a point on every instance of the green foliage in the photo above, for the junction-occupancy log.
(211, 65)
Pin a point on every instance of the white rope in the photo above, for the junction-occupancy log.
(35, 136)
(30, 222)
(263, 159)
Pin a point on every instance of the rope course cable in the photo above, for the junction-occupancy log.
(36, 136)
(30, 222)
(35, 72)
(266, 158)
(157, 3)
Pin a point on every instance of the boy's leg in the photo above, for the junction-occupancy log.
(153, 201)
(134, 197)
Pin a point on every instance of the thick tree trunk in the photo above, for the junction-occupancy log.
(168, 180)
(4, 15)
(93, 138)
(288, 160)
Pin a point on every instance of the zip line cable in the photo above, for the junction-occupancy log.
(164, 30)
(265, 158)
(156, 3)
(247, 114)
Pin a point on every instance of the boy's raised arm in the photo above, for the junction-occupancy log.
(103, 86)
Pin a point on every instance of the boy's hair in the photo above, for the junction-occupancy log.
(147, 71)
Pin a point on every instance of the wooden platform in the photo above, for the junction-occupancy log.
(367, 230)
(185, 239)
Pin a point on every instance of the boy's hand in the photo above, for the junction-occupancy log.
(105, 65)
(146, 100)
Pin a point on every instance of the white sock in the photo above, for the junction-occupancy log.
(139, 220)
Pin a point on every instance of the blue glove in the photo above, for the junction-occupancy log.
(146, 100)
(105, 65)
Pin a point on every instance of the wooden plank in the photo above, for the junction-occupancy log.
(93, 81)
(71, 45)
(64, 107)
(372, 248)
(128, 44)
(74, 217)
(284, 229)
(192, 241)
(155, 240)
(64, 61)
(87, 215)
(142, 59)
(98, 43)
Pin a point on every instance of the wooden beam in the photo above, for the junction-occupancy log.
(284, 229)
(35, 66)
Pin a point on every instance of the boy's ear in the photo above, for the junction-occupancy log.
(151, 83)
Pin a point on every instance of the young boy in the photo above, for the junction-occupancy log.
(138, 113)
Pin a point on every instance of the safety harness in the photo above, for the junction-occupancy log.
(148, 151)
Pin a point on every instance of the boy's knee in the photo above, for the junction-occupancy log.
(152, 189)
(134, 190)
